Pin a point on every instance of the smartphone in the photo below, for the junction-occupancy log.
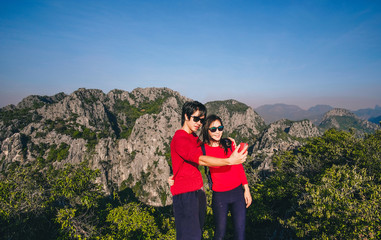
(241, 146)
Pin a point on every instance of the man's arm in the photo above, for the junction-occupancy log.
(235, 158)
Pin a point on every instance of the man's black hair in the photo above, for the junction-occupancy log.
(191, 107)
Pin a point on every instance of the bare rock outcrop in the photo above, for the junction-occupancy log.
(127, 135)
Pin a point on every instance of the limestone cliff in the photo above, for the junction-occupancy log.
(282, 135)
(127, 135)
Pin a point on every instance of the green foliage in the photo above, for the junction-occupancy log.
(58, 154)
(138, 188)
(22, 202)
(38, 152)
(67, 203)
(327, 189)
(132, 221)
(345, 123)
(75, 130)
(272, 200)
(34, 201)
(209, 225)
(318, 154)
(368, 155)
(75, 225)
(280, 134)
(346, 204)
(19, 117)
(167, 153)
(75, 186)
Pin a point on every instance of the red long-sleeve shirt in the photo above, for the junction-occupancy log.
(225, 178)
(185, 152)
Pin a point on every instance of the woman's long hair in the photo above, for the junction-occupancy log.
(225, 143)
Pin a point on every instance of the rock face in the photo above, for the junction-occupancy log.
(282, 135)
(343, 119)
(127, 135)
(237, 117)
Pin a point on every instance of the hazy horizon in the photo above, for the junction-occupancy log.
(295, 53)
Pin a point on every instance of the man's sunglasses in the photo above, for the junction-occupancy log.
(220, 128)
(196, 119)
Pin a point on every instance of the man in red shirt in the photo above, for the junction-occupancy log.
(189, 200)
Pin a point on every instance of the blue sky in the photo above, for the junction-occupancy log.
(258, 52)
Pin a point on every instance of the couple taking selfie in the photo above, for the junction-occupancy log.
(224, 159)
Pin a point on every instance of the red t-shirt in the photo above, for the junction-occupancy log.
(185, 152)
(225, 178)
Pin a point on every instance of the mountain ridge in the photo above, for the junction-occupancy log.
(127, 135)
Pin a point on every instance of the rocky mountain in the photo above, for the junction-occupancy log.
(282, 135)
(272, 113)
(343, 119)
(240, 121)
(127, 135)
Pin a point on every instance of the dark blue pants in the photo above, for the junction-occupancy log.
(221, 202)
(189, 210)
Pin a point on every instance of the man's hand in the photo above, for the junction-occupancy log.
(238, 157)
(171, 181)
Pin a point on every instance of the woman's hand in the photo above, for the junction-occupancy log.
(171, 181)
(238, 157)
(247, 195)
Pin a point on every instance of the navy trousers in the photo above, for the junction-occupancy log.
(189, 210)
(221, 202)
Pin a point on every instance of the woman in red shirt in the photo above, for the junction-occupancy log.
(230, 186)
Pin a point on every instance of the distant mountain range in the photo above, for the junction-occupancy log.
(273, 112)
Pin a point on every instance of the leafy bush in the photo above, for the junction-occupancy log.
(58, 154)
(132, 221)
(327, 189)
(346, 204)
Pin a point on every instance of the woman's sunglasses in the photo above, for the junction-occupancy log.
(220, 128)
(196, 119)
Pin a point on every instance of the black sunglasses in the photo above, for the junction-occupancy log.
(220, 128)
(196, 119)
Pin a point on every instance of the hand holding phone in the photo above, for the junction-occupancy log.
(241, 146)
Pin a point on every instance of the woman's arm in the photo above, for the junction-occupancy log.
(247, 195)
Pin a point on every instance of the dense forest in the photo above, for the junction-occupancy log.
(329, 188)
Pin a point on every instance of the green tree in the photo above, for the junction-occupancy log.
(23, 204)
(132, 221)
(40, 204)
(277, 198)
(346, 204)
(74, 191)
